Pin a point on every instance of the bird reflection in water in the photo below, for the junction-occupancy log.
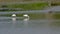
(26, 20)
(26, 17)
(13, 21)
(14, 18)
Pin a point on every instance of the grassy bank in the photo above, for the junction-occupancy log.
(55, 4)
(32, 16)
(35, 15)
(56, 16)
(29, 6)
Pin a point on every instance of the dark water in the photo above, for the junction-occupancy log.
(8, 26)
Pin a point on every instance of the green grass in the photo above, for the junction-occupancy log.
(32, 16)
(56, 16)
(29, 6)
(55, 4)
(35, 15)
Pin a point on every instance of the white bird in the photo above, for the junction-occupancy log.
(26, 17)
(14, 15)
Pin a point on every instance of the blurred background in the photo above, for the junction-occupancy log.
(29, 16)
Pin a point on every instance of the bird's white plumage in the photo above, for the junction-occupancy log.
(13, 14)
(25, 15)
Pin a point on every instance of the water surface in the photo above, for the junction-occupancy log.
(9, 26)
